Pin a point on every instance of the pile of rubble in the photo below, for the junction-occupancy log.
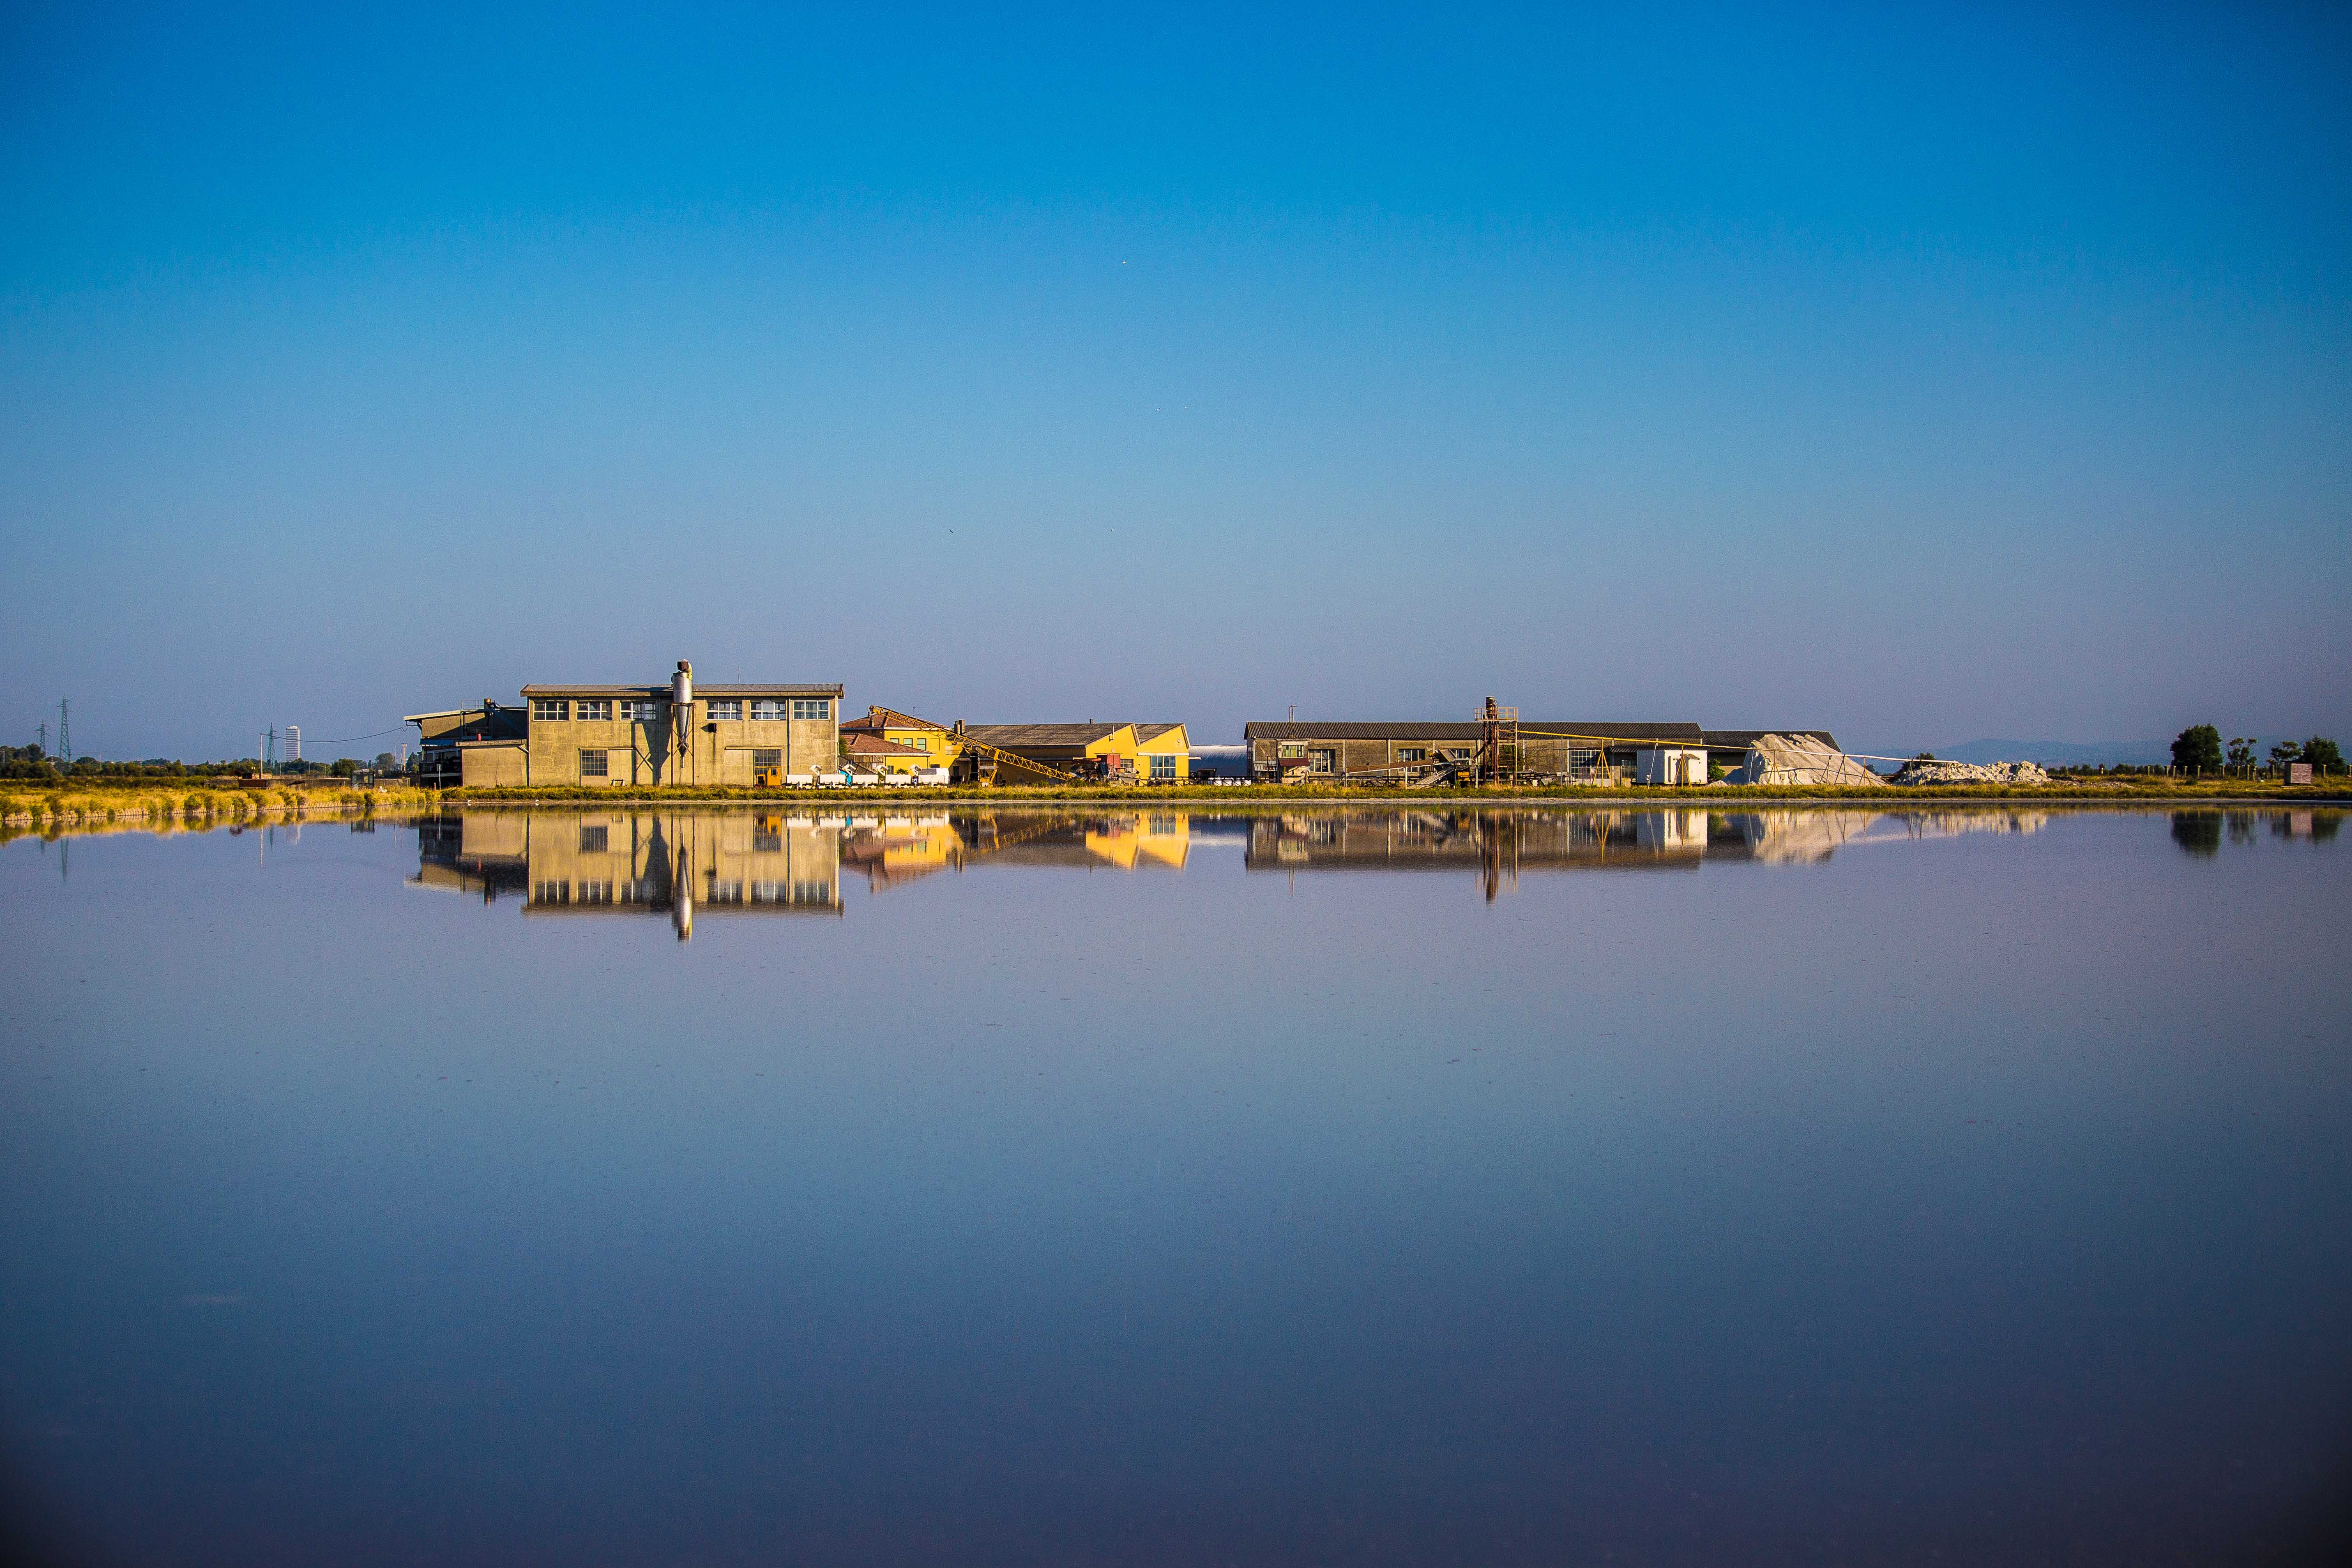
(1970, 772)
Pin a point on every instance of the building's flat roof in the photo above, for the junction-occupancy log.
(700, 691)
(1010, 736)
(1414, 730)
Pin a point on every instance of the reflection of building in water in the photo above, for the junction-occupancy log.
(620, 862)
(894, 850)
(1499, 844)
(1502, 842)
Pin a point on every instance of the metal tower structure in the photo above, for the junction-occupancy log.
(65, 732)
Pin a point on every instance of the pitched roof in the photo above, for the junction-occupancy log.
(1153, 731)
(1414, 730)
(1012, 736)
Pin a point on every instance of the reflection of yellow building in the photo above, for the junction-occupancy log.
(1142, 840)
(901, 848)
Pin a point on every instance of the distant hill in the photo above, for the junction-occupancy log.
(2071, 754)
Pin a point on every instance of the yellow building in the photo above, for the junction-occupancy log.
(1164, 753)
(930, 745)
(1140, 753)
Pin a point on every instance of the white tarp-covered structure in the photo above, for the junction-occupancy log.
(1799, 760)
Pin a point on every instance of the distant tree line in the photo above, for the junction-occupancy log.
(2199, 750)
(30, 763)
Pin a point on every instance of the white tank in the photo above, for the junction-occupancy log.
(682, 705)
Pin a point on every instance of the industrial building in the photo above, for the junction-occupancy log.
(1597, 750)
(1588, 751)
(677, 733)
(1133, 752)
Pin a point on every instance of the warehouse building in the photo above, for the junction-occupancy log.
(1140, 753)
(1554, 748)
(677, 733)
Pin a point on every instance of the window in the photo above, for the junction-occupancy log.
(551, 892)
(640, 709)
(592, 765)
(812, 892)
(1323, 759)
(1163, 765)
(767, 844)
(725, 892)
(766, 759)
(812, 706)
(594, 840)
(1412, 754)
(546, 707)
(1458, 753)
(602, 708)
(595, 893)
(919, 742)
(768, 708)
(733, 708)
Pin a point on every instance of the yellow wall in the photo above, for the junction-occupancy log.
(1175, 742)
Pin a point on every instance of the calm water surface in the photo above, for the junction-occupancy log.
(1170, 1188)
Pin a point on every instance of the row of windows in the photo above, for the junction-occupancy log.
(544, 710)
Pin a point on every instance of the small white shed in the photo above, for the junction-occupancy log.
(1670, 765)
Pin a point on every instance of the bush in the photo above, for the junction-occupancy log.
(2323, 755)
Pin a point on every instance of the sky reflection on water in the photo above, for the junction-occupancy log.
(1176, 1186)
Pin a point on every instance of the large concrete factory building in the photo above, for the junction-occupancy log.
(680, 733)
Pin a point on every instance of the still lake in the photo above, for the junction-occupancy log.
(630, 1187)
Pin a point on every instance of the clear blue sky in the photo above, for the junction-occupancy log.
(1920, 374)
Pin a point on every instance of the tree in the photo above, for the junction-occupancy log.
(345, 767)
(2198, 749)
(2323, 755)
(2285, 752)
(2242, 750)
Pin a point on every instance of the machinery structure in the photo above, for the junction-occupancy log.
(987, 760)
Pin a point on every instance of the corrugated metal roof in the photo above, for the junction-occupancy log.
(1011, 737)
(1530, 729)
(700, 691)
